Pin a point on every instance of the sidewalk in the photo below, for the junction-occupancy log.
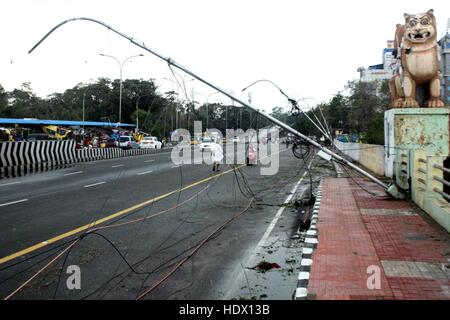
(357, 230)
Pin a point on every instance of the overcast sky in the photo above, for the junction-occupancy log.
(309, 48)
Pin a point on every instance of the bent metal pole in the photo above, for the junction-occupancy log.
(175, 64)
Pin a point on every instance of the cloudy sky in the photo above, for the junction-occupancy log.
(309, 48)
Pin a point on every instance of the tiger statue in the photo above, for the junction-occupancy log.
(417, 55)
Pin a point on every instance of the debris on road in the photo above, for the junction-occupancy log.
(265, 266)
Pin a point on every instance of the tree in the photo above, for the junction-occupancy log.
(3, 102)
(145, 120)
(337, 112)
(24, 103)
(368, 101)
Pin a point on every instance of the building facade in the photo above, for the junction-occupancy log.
(444, 44)
(381, 71)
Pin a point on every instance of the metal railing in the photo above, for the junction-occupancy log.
(402, 170)
(443, 181)
(426, 175)
(430, 185)
(423, 172)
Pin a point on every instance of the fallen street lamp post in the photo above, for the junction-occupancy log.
(391, 189)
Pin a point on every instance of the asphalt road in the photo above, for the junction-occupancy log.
(35, 209)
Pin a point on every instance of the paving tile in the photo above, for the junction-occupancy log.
(357, 230)
(415, 269)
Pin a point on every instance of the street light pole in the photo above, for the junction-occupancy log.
(137, 115)
(178, 96)
(137, 110)
(84, 96)
(293, 103)
(390, 189)
(323, 117)
(207, 107)
(120, 82)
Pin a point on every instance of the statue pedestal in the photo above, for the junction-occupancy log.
(409, 129)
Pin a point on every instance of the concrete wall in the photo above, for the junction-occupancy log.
(23, 157)
(427, 188)
(370, 156)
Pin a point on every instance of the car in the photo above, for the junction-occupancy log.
(150, 143)
(206, 144)
(127, 142)
(37, 136)
(108, 143)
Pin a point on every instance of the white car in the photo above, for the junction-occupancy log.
(206, 144)
(150, 142)
(127, 142)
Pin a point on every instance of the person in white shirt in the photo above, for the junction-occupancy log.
(217, 155)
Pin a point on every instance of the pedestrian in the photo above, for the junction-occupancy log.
(217, 155)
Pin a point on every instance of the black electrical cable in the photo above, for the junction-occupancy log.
(152, 253)
(36, 255)
(143, 260)
(344, 166)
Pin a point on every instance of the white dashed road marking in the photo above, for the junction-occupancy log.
(71, 173)
(149, 160)
(13, 202)
(145, 172)
(117, 165)
(94, 184)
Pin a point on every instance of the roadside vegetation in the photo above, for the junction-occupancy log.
(357, 109)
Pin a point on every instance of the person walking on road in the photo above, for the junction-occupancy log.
(217, 155)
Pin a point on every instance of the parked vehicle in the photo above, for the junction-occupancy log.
(127, 142)
(55, 132)
(206, 144)
(37, 136)
(108, 143)
(150, 142)
(6, 134)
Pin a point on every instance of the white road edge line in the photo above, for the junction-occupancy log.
(71, 173)
(264, 238)
(13, 202)
(94, 184)
(117, 165)
(252, 259)
(8, 184)
(145, 172)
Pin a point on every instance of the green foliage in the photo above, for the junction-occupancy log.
(359, 110)
(3, 100)
(101, 101)
(375, 131)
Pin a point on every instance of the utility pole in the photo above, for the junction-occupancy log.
(390, 189)
(120, 83)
